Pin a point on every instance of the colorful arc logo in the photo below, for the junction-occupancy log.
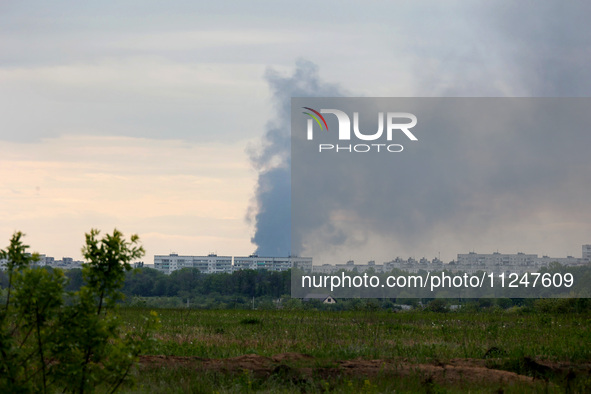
(316, 117)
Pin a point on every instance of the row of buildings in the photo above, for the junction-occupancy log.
(469, 262)
(213, 263)
(409, 265)
(519, 263)
(47, 261)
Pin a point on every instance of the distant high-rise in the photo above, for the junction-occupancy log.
(587, 252)
(213, 263)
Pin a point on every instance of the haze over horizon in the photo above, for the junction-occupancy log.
(168, 120)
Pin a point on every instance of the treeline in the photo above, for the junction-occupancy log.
(191, 283)
(261, 289)
(151, 288)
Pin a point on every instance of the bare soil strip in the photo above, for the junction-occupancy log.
(296, 365)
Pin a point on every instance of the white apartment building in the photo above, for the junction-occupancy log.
(497, 262)
(303, 263)
(209, 264)
(413, 266)
(254, 262)
(213, 263)
(496, 258)
(323, 269)
(569, 260)
(519, 263)
(361, 268)
(46, 261)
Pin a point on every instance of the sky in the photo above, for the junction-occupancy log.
(158, 118)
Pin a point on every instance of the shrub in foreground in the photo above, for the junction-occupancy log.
(52, 339)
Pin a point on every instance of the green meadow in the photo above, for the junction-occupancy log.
(335, 351)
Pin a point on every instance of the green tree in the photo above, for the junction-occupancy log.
(53, 339)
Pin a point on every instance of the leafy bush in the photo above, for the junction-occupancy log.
(53, 339)
(437, 305)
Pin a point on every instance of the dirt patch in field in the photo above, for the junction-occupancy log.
(450, 372)
(441, 373)
(286, 357)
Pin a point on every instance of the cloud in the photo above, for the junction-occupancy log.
(143, 98)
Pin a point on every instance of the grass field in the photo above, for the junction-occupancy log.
(362, 351)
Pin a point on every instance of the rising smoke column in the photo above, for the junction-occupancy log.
(271, 210)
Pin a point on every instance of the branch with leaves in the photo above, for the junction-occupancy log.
(72, 341)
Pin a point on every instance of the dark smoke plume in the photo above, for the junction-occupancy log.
(271, 210)
(518, 50)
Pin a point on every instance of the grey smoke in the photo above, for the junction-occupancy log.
(477, 188)
(518, 49)
(547, 46)
(482, 169)
(271, 212)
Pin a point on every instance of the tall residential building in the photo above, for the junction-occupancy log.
(209, 264)
(255, 262)
(520, 262)
(219, 264)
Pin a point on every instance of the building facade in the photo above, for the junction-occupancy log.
(46, 261)
(209, 264)
(467, 262)
(213, 263)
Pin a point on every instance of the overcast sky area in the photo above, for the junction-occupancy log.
(155, 117)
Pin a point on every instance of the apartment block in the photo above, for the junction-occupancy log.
(213, 263)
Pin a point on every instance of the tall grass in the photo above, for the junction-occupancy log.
(419, 336)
